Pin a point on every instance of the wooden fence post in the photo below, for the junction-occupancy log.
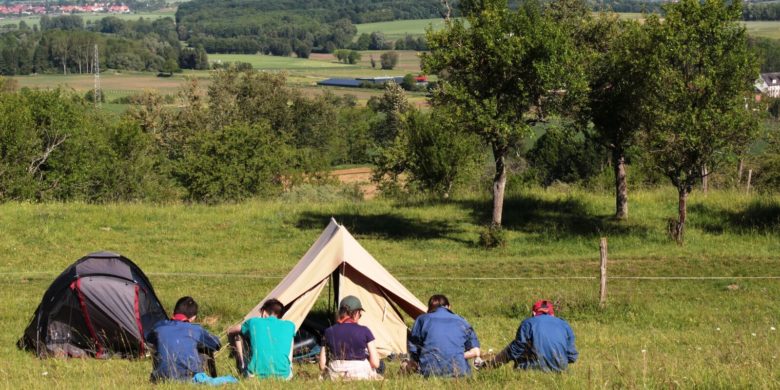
(603, 289)
(750, 176)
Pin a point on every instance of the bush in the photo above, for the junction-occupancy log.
(389, 60)
(492, 236)
(90, 96)
(234, 163)
(564, 156)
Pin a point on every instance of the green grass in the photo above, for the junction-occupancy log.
(653, 333)
(34, 20)
(400, 28)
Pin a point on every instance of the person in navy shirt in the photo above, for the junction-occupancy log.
(442, 341)
(348, 349)
(543, 342)
(176, 343)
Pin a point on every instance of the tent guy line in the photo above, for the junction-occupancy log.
(250, 276)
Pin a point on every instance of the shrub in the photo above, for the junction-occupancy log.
(492, 237)
(389, 60)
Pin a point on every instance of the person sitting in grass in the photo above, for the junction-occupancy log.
(348, 350)
(270, 342)
(441, 341)
(176, 344)
(543, 342)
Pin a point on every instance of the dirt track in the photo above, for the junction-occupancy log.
(360, 176)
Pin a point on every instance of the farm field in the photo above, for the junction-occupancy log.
(699, 315)
(89, 18)
(399, 28)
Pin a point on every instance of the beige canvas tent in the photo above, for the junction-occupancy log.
(338, 257)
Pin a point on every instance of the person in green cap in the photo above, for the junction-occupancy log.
(347, 349)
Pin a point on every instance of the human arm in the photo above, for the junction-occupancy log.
(414, 345)
(208, 340)
(373, 355)
(518, 348)
(234, 336)
(571, 350)
(323, 357)
(471, 346)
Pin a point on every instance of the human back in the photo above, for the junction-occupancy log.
(442, 341)
(271, 341)
(550, 339)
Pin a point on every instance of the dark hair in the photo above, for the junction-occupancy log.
(273, 307)
(436, 302)
(186, 306)
(345, 312)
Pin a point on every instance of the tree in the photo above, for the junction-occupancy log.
(700, 68)
(617, 88)
(388, 60)
(353, 57)
(501, 71)
(376, 41)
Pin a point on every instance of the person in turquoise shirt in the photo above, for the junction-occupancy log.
(270, 342)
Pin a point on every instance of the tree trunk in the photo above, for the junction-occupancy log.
(705, 179)
(621, 187)
(682, 210)
(740, 167)
(499, 184)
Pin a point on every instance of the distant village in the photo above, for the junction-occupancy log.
(45, 9)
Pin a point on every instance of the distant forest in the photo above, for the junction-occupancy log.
(281, 27)
(64, 44)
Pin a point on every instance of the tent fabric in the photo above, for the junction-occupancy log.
(337, 253)
(98, 306)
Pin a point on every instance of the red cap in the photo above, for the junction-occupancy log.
(543, 306)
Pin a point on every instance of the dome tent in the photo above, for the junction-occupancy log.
(99, 306)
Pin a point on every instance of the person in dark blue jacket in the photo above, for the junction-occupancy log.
(543, 342)
(442, 341)
(177, 342)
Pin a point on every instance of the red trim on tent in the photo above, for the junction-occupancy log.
(83, 303)
(138, 322)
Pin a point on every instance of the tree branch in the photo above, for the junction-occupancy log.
(36, 163)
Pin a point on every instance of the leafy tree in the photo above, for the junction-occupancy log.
(438, 151)
(618, 81)
(376, 41)
(353, 57)
(502, 70)
(388, 60)
(699, 68)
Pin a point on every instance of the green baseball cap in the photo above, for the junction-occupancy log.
(351, 303)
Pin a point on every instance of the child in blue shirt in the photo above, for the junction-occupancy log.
(176, 344)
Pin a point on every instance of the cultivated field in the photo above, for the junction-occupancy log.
(703, 315)
(399, 28)
(89, 18)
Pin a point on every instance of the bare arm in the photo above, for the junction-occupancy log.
(471, 353)
(323, 358)
(234, 335)
(373, 355)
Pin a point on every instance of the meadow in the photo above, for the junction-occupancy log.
(34, 20)
(701, 315)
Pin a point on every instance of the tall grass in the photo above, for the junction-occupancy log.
(710, 333)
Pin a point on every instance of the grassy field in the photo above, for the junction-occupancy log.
(88, 18)
(654, 332)
(400, 28)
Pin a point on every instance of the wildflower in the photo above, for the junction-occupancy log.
(753, 334)
(717, 329)
(772, 328)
